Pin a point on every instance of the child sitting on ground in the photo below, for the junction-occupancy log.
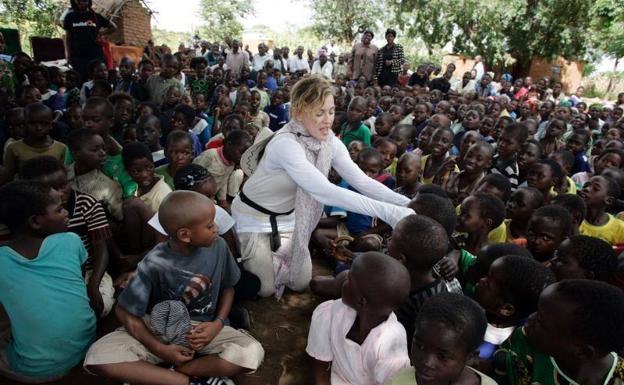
(402, 134)
(357, 339)
(277, 112)
(479, 266)
(184, 119)
(37, 140)
(527, 157)
(123, 105)
(480, 213)
(88, 220)
(548, 227)
(565, 159)
(383, 124)
(544, 176)
(475, 164)
(388, 150)
(178, 152)
(353, 128)
(408, 175)
(419, 243)
(572, 316)
(98, 114)
(609, 158)
(87, 148)
(97, 71)
(577, 144)
(152, 190)
(576, 207)
(448, 331)
(157, 85)
(583, 257)
(354, 148)
(51, 323)
(438, 165)
(148, 133)
(552, 140)
(523, 202)
(222, 161)
(599, 193)
(200, 274)
(16, 122)
(505, 162)
(509, 293)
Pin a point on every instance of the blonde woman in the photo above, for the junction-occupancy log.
(281, 203)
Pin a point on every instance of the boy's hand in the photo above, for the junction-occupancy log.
(202, 334)
(449, 163)
(447, 268)
(175, 354)
(96, 301)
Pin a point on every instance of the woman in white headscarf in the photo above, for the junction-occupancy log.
(281, 203)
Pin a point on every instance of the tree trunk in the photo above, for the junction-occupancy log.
(617, 61)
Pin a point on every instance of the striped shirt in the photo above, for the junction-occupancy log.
(408, 312)
(507, 169)
(88, 220)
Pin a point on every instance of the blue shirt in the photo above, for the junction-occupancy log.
(580, 164)
(278, 116)
(52, 324)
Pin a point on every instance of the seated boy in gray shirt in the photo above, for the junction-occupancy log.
(196, 268)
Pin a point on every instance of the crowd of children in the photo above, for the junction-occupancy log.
(116, 191)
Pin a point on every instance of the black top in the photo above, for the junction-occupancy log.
(83, 28)
(440, 84)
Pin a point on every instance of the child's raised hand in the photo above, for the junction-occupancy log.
(202, 334)
(339, 251)
(449, 163)
(447, 268)
(175, 354)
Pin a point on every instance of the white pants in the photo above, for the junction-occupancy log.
(106, 290)
(257, 259)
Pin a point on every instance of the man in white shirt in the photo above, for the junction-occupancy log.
(261, 57)
(298, 63)
(479, 68)
(323, 66)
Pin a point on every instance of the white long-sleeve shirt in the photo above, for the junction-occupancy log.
(284, 167)
(325, 70)
(296, 64)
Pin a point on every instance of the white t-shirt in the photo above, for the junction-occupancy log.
(223, 220)
(382, 355)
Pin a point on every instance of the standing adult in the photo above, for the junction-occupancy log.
(479, 68)
(322, 66)
(279, 62)
(82, 26)
(363, 58)
(260, 58)
(390, 59)
(281, 203)
(298, 63)
(236, 60)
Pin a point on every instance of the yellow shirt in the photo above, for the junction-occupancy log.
(497, 235)
(612, 232)
(156, 195)
(423, 163)
(19, 152)
(408, 377)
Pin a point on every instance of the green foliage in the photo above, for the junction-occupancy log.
(494, 28)
(170, 38)
(607, 22)
(32, 18)
(223, 18)
(589, 69)
(343, 19)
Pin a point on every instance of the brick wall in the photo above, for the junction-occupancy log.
(134, 25)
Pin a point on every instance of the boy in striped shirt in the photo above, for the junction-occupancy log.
(88, 220)
(505, 162)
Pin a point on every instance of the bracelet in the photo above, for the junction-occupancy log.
(222, 321)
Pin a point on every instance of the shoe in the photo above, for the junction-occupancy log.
(239, 318)
(211, 381)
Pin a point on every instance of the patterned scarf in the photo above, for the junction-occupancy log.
(290, 257)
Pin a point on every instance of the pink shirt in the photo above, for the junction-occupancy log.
(379, 358)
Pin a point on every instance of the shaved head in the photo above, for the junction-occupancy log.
(383, 280)
(183, 209)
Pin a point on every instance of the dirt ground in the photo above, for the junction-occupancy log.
(281, 327)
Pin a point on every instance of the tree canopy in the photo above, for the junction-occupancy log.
(343, 19)
(222, 17)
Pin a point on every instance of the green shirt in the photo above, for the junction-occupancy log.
(524, 365)
(362, 134)
(113, 168)
(164, 171)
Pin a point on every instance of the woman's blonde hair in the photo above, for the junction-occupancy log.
(309, 93)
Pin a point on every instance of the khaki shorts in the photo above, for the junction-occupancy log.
(106, 290)
(231, 345)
